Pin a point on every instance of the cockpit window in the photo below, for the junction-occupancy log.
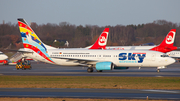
(164, 55)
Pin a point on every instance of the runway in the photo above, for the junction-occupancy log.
(42, 69)
(90, 93)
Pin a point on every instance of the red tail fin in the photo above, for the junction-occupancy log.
(102, 40)
(167, 43)
(169, 40)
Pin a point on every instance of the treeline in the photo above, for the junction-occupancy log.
(82, 36)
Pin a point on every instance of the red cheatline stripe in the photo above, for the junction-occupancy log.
(139, 53)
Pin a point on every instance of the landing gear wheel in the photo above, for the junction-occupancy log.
(158, 70)
(99, 70)
(22, 67)
(89, 70)
(30, 68)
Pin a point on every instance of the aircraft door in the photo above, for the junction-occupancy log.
(99, 57)
(153, 57)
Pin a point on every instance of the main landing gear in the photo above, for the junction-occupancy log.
(90, 69)
(99, 70)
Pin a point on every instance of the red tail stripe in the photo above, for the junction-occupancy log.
(37, 51)
(24, 26)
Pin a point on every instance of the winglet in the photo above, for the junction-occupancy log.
(101, 41)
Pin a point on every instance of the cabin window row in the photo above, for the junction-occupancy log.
(81, 56)
(73, 55)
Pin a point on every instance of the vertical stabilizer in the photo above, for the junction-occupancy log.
(167, 44)
(31, 41)
(101, 41)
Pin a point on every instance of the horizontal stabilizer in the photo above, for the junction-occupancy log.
(22, 50)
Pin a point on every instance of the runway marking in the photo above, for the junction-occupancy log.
(165, 91)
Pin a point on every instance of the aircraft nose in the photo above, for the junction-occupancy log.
(171, 61)
(4, 57)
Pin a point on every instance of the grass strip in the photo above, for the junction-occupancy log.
(172, 83)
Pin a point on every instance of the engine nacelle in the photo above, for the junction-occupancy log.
(104, 66)
(121, 67)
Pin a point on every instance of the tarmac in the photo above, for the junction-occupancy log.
(42, 69)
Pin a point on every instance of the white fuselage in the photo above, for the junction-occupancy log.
(130, 47)
(121, 58)
(173, 54)
(3, 56)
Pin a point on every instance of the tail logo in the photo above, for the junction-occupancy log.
(169, 38)
(102, 39)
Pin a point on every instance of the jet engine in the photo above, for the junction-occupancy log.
(104, 66)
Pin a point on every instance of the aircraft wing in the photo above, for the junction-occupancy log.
(82, 61)
(22, 50)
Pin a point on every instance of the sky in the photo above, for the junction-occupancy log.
(90, 12)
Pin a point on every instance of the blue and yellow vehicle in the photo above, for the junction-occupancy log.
(23, 65)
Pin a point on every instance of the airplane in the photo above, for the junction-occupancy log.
(92, 58)
(174, 54)
(165, 46)
(3, 58)
(99, 44)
